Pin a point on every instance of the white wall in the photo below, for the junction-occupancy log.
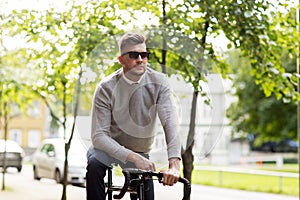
(212, 133)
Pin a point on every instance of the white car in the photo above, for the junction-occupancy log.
(14, 154)
(48, 161)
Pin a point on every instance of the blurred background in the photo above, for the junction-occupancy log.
(233, 67)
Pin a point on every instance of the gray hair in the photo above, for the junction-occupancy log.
(131, 39)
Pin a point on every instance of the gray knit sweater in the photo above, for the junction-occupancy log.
(124, 115)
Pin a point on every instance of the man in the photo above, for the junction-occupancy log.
(124, 112)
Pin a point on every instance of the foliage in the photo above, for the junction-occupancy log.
(261, 29)
(59, 43)
(266, 117)
(14, 98)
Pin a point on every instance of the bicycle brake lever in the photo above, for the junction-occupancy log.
(160, 177)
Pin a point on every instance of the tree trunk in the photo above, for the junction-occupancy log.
(188, 160)
(5, 112)
(187, 155)
(68, 144)
(65, 176)
(164, 42)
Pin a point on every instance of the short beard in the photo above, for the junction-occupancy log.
(134, 75)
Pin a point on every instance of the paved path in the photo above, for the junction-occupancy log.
(22, 187)
(198, 193)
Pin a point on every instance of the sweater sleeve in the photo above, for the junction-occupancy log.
(169, 119)
(101, 123)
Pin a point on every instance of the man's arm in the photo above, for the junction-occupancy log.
(101, 123)
(141, 162)
(169, 119)
(168, 116)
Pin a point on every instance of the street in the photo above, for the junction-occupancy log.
(21, 186)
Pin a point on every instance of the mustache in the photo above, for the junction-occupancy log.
(140, 65)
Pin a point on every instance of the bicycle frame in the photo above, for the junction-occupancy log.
(139, 189)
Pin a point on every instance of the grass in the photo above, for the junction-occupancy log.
(293, 168)
(250, 182)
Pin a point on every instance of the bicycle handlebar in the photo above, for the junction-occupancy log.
(148, 173)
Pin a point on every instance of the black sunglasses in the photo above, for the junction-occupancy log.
(135, 54)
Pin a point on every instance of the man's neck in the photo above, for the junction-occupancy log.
(132, 78)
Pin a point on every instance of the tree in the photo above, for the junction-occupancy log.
(64, 41)
(12, 98)
(266, 117)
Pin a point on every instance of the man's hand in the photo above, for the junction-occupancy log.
(141, 162)
(172, 174)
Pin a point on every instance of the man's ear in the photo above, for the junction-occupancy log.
(120, 58)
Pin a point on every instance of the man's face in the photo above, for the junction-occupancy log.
(133, 63)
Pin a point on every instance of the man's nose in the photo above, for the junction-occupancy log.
(139, 58)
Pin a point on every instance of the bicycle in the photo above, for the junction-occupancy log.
(141, 175)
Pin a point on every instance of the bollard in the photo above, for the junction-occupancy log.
(259, 162)
(220, 177)
(279, 162)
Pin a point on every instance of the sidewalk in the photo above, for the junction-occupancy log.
(21, 186)
(199, 192)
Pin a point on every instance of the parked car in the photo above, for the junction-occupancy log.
(48, 161)
(14, 154)
(287, 145)
(269, 146)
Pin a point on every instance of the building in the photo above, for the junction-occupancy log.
(28, 130)
(213, 143)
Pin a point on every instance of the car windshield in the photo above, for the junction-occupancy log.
(77, 148)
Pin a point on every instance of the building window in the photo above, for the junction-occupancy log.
(16, 135)
(34, 137)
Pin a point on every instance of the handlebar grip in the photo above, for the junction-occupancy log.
(185, 182)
